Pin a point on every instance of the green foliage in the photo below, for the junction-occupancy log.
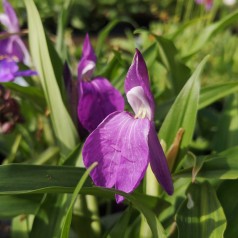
(44, 188)
(201, 213)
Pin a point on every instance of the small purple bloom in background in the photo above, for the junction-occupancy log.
(123, 144)
(207, 3)
(13, 45)
(97, 97)
(9, 70)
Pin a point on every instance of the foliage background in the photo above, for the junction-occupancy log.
(174, 36)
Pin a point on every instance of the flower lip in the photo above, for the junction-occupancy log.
(88, 70)
(139, 103)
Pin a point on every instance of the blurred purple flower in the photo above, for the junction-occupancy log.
(207, 3)
(13, 45)
(124, 144)
(9, 70)
(97, 97)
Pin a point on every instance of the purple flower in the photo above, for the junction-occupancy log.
(97, 97)
(123, 144)
(12, 46)
(9, 70)
(207, 3)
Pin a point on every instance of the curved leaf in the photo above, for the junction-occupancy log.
(201, 213)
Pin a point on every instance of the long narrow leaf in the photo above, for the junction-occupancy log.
(63, 126)
(68, 217)
(183, 112)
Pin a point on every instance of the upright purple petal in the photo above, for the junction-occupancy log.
(120, 146)
(138, 76)
(10, 19)
(25, 73)
(98, 98)
(14, 47)
(158, 162)
(88, 51)
(88, 60)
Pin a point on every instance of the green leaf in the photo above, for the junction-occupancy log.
(68, 217)
(49, 217)
(150, 54)
(227, 128)
(20, 227)
(11, 206)
(32, 93)
(105, 32)
(35, 178)
(119, 228)
(214, 92)
(205, 35)
(201, 213)
(178, 71)
(183, 112)
(220, 166)
(64, 128)
(62, 23)
(226, 193)
(61, 179)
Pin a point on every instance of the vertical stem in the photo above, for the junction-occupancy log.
(179, 9)
(188, 10)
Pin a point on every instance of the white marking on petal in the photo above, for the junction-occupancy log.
(139, 102)
(88, 70)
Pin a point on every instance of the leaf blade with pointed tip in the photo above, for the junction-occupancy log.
(64, 128)
(183, 112)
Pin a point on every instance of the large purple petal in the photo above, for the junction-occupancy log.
(10, 19)
(88, 60)
(158, 162)
(138, 76)
(98, 98)
(8, 69)
(120, 146)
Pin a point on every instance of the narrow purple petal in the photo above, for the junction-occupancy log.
(12, 23)
(120, 146)
(25, 73)
(98, 98)
(8, 69)
(138, 76)
(88, 60)
(158, 162)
